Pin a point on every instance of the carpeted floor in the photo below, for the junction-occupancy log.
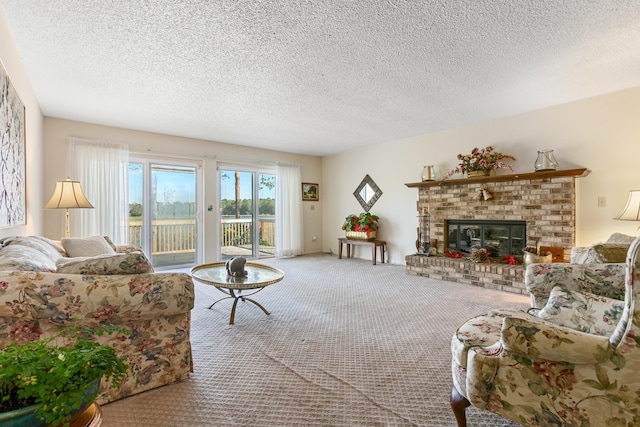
(347, 344)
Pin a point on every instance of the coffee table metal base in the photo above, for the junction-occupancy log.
(237, 297)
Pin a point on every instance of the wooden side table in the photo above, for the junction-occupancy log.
(373, 243)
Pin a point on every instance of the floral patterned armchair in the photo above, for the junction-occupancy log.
(573, 360)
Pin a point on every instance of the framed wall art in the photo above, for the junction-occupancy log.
(12, 159)
(310, 192)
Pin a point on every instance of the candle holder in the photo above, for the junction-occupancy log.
(428, 173)
(546, 161)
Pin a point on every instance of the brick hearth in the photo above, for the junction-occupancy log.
(503, 277)
(545, 200)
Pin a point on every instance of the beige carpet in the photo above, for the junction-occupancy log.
(347, 344)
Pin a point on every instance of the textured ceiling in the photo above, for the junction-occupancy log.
(319, 77)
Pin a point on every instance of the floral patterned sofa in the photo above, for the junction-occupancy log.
(42, 289)
(572, 360)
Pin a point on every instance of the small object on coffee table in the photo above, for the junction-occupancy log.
(235, 266)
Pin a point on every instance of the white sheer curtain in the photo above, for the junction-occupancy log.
(289, 237)
(103, 171)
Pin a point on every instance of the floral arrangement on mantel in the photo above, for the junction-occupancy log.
(481, 162)
(363, 226)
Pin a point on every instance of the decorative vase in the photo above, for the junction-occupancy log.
(428, 173)
(531, 258)
(475, 174)
(545, 161)
(360, 235)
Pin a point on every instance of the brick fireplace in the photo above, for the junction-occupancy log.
(545, 201)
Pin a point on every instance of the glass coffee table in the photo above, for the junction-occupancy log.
(257, 278)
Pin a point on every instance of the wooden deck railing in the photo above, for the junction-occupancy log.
(172, 236)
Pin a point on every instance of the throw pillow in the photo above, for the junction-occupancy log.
(584, 312)
(25, 258)
(87, 247)
(621, 238)
(110, 242)
(43, 245)
(124, 263)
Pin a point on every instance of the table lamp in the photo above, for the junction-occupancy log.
(68, 195)
(631, 212)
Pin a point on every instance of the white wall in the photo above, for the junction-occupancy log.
(33, 130)
(600, 133)
(57, 130)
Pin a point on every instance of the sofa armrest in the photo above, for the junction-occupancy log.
(538, 339)
(127, 248)
(61, 298)
(600, 279)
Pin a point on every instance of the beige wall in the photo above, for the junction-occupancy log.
(210, 153)
(33, 130)
(600, 133)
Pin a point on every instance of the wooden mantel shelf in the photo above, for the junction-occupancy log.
(578, 173)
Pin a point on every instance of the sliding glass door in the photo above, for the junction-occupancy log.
(247, 213)
(163, 211)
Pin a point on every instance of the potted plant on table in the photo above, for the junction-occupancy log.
(480, 162)
(49, 380)
(363, 226)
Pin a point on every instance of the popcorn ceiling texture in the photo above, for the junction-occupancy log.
(319, 77)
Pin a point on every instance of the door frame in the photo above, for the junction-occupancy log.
(147, 160)
(256, 170)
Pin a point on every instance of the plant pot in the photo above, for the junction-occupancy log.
(90, 416)
(360, 235)
(26, 417)
(475, 174)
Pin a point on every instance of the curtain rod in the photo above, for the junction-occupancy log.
(141, 150)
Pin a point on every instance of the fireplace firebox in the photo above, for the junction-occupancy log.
(499, 238)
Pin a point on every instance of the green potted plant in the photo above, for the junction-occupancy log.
(51, 379)
(363, 226)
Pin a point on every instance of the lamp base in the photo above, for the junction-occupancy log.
(66, 223)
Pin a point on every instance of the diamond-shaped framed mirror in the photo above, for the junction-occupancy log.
(367, 193)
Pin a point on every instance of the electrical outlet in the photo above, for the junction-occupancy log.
(602, 202)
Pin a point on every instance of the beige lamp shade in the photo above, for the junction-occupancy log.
(631, 212)
(68, 195)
